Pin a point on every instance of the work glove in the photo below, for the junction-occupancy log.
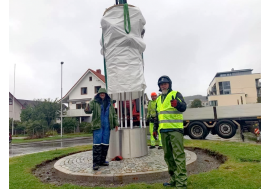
(173, 102)
(155, 135)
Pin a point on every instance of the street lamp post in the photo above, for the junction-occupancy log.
(61, 102)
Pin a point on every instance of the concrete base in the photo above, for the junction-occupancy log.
(128, 143)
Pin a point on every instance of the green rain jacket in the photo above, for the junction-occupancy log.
(95, 107)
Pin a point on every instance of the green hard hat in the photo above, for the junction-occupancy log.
(102, 90)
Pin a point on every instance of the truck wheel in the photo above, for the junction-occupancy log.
(197, 130)
(225, 129)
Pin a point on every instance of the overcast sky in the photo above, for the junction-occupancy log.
(187, 40)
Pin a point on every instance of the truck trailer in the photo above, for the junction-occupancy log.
(199, 122)
(220, 120)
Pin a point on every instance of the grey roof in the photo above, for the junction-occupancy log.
(27, 102)
(243, 70)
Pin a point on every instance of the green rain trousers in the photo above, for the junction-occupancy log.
(152, 139)
(174, 155)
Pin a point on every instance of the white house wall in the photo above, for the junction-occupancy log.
(18, 110)
(76, 93)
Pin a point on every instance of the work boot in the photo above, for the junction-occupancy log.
(160, 147)
(95, 167)
(151, 147)
(106, 163)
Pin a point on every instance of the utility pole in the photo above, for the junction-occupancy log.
(13, 102)
(61, 103)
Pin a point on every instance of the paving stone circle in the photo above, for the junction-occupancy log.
(80, 166)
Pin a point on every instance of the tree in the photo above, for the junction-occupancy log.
(47, 110)
(69, 124)
(39, 117)
(196, 103)
(18, 127)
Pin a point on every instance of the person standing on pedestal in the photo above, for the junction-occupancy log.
(151, 116)
(170, 106)
(103, 120)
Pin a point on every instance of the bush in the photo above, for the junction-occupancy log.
(34, 137)
(57, 127)
(51, 133)
(86, 127)
(18, 126)
(69, 124)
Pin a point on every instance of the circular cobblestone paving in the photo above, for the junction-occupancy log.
(80, 166)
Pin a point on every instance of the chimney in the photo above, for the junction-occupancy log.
(98, 71)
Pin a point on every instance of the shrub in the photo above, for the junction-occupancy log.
(86, 127)
(51, 133)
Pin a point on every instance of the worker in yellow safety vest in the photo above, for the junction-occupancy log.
(170, 106)
(151, 116)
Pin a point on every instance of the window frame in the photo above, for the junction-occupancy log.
(212, 102)
(223, 87)
(10, 101)
(96, 90)
(83, 88)
(83, 106)
(78, 105)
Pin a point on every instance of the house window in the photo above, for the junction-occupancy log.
(90, 78)
(241, 100)
(10, 101)
(213, 103)
(83, 90)
(83, 106)
(224, 75)
(78, 106)
(224, 87)
(237, 101)
(97, 88)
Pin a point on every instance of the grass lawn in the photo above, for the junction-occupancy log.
(241, 170)
(16, 141)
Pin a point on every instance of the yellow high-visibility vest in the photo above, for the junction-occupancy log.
(169, 117)
(152, 108)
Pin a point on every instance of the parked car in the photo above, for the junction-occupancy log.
(10, 137)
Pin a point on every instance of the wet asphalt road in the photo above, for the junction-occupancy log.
(22, 149)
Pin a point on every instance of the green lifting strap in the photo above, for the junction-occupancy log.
(126, 19)
(105, 70)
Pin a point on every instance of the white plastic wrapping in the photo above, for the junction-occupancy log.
(123, 52)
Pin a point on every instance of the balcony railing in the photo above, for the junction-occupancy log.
(75, 113)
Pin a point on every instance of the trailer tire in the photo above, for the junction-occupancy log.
(225, 129)
(197, 130)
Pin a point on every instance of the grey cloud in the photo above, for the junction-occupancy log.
(187, 40)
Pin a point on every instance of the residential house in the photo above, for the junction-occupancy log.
(234, 87)
(17, 108)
